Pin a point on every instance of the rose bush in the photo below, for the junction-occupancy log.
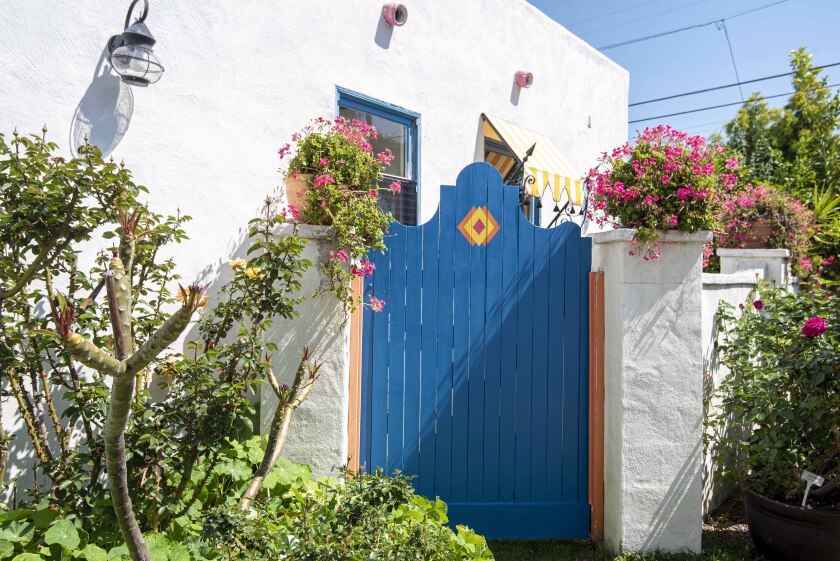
(779, 407)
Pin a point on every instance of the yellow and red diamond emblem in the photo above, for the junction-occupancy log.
(479, 226)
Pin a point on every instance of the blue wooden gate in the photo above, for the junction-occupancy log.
(475, 375)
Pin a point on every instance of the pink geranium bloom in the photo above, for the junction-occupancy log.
(395, 186)
(284, 150)
(323, 179)
(814, 327)
(342, 255)
(323, 162)
(372, 193)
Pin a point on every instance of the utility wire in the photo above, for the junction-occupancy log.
(732, 56)
(732, 85)
(762, 98)
(695, 26)
(663, 12)
(602, 16)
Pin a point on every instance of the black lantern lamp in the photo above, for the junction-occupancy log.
(131, 52)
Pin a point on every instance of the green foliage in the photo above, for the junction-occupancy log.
(354, 517)
(796, 148)
(778, 410)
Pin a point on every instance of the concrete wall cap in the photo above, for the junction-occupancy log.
(309, 231)
(626, 234)
(740, 278)
(757, 253)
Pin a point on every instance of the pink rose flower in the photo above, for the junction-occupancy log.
(814, 327)
(758, 304)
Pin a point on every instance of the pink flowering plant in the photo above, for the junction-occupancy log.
(739, 208)
(779, 408)
(337, 160)
(665, 181)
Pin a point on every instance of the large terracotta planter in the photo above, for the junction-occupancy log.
(783, 532)
(296, 189)
(759, 235)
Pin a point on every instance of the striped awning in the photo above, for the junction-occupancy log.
(546, 165)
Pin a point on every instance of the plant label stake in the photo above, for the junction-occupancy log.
(812, 480)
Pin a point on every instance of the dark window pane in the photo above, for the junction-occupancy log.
(402, 205)
(390, 135)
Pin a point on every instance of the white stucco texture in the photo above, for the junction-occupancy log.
(318, 433)
(653, 453)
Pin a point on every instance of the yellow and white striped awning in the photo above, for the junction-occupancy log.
(546, 165)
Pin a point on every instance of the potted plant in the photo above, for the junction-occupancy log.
(332, 180)
(758, 216)
(664, 181)
(778, 419)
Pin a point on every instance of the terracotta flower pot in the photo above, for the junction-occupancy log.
(759, 234)
(783, 532)
(296, 189)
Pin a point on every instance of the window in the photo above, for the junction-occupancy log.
(397, 131)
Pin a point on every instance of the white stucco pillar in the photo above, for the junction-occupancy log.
(773, 265)
(653, 453)
(318, 434)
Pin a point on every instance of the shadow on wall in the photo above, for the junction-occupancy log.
(384, 31)
(104, 113)
(318, 432)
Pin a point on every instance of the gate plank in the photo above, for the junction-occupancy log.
(396, 343)
(411, 425)
(428, 333)
(556, 329)
(445, 333)
(583, 422)
(493, 342)
(540, 350)
(571, 366)
(507, 373)
(461, 348)
(524, 362)
(478, 278)
(379, 370)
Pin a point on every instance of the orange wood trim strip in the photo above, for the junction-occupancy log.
(355, 392)
(596, 404)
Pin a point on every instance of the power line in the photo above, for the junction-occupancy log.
(663, 12)
(732, 85)
(727, 104)
(732, 56)
(695, 26)
(602, 16)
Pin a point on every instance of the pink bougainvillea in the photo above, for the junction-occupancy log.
(663, 181)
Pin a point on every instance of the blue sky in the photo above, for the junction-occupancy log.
(700, 58)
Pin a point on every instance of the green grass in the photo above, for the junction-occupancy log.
(724, 539)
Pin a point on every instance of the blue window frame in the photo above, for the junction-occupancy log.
(398, 131)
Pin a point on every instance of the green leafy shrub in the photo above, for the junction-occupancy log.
(779, 407)
(356, 516)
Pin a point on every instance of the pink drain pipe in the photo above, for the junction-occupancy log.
(524, 79)
(395, 14)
